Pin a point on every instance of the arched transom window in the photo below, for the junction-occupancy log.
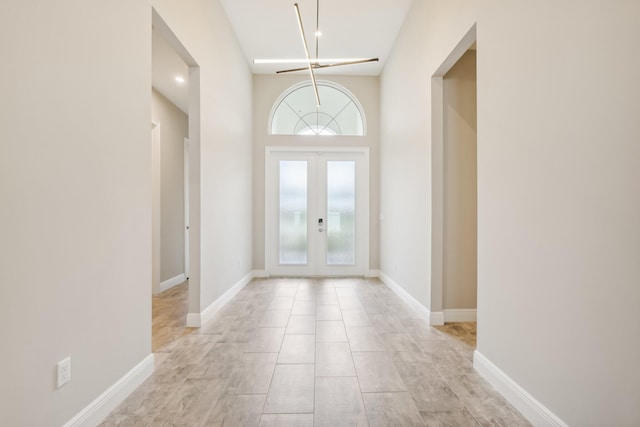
(296, 112)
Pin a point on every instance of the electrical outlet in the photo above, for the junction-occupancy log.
(64, 371)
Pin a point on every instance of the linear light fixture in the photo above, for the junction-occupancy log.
(308, 63)
(335, 64)
(306, 51)
(304, 61)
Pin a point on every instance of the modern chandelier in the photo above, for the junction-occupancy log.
(313, 63)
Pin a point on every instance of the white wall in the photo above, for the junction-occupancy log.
(460, 185)
(75, 167)
(558, 200)
(558, 204)
(75, 216)
(224, 151)
(267, 89)
(174, 128)
(430, 32)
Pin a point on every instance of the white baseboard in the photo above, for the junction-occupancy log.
(100, 408)
(260, 274)
(436, 318)
(196, 320)
(174, 281)
(537, 414)
(461, 315)
(420, 309)
(372, 273)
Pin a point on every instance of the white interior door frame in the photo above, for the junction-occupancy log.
(362, 200)
(186, 207)
(437, 175)
(155, 207)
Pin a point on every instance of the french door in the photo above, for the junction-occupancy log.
(317, 212)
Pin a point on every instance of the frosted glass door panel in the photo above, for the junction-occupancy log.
(341, 212)
(317, 212)
(293, 212)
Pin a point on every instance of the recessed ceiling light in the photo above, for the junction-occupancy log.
(180, 80)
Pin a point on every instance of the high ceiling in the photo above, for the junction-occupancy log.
(350, 29)
(269, 29)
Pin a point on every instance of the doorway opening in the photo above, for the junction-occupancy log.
(454, 186)
(175, 167)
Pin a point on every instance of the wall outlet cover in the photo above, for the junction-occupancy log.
(64, 371)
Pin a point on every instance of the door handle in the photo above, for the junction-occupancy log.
(320, 225)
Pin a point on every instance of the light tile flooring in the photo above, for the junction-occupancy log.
(169, 313)
(307, 352)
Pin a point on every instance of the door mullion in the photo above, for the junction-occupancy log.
(321, 212)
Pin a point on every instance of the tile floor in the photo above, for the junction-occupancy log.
(169, 317)
(307, 352)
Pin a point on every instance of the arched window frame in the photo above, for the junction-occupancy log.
(327, 83)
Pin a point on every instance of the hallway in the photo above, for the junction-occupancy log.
(326, 352)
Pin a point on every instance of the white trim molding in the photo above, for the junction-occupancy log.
(260, 274)
(453, 315)
(100, 408)
(196, 320)
(372, 274)
(436, 318)
(193, 320)
(538, 414)
(420, 309)
(174, 281)
(460, 315)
